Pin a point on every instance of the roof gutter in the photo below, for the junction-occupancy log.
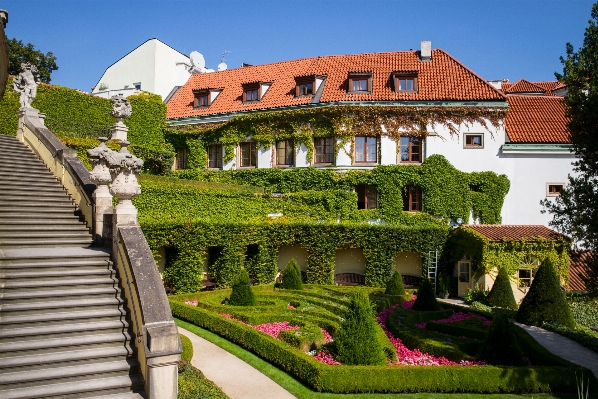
(537, 149)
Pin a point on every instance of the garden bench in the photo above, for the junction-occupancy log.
(208, 283)
(349, 279)
(411, 281)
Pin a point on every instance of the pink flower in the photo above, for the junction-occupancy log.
(326, 358)
(192, 303)
(327, 336)
(409, 304)
(273, 329)
(289, 306)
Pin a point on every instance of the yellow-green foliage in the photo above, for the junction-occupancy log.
(187, 348)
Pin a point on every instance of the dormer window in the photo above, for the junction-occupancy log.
(253, 92)
(305, 86)
(201, 99)
(360, 83)
(405, 81)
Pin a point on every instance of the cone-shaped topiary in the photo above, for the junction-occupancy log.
(501, 294)
(395, 286)
(500, 347)
(357, 341)
(426, 298)
(545, 301)
(291, 277)
(242, 295)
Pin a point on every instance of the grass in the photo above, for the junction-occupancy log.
(302, 392)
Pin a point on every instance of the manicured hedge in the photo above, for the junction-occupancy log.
(353, 379)
(582, 335)
(457, 331)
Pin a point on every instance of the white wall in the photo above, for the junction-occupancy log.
(264, 157)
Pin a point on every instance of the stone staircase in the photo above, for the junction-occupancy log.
(64, 330)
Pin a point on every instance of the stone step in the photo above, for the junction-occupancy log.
(14, 150)
(60, 304)
(7, 222)
(71, 388)
(16, 168)
(37, 274)
(119, 396)
(38, 191)
(77, 315)
(9, 284)
(33, 235)
(33, 228)
(70, 292)
(36, 179)
(31, 206)
(31, 184)
(53, 255)
(38, 243)
(103, 263)
(67, 371)
(66, 356)
(69, 340)
(64, 328)
(31, 201)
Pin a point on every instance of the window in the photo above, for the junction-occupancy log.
(324, 150)
(366, 149)
(285, 153)
(251, 92)
(464, 272)
(411, 150)
(367, 197)
(405, 81)
(248, 154)
(412, 199)
(201, 99)
(215, 156)
(182, 155)
(360, 83)
(473, 141)
(554, 189)
(304, 87)
(525, 277)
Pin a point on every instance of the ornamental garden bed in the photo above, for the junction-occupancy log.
(434, 351)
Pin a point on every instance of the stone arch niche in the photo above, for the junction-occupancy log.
(349, 260)
(288, 252)
(408, 263)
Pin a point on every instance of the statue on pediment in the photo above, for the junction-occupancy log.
(26, 84)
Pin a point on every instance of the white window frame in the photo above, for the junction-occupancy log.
(548, 193)
(476, 147)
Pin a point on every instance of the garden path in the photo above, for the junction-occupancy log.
(235, 377)
(564, 347)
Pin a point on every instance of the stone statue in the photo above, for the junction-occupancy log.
(121, 109)
(26, 84)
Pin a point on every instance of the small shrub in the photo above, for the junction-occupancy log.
(501, 294)
(584, 309)
(291, 277)
(426, 298)
(478, 294)
(395, 286)
(186, 355)
(545, 301)
(481, 307)
(242, 294)
(357, 342)
(501, 347)
(306, 338)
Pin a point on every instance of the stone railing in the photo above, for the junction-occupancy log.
(156, 335)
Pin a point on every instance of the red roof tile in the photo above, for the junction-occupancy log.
(523, 86)
(498, 232)
(443, 78)
(579, 271)
(536, 119)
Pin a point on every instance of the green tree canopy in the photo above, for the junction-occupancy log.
(575, 211)
(19, 53)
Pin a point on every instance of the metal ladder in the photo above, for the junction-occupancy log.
(432, 267)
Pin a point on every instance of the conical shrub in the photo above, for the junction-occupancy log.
(500, 347)
(357, 341)
(426, 298)
(395, 286)
(501, 294)
(242, 294)
(545, 301)
(291, 276)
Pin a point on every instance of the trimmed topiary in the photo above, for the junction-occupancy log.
(242, 294)
(501, 347)
(357, 342)
(426, 298)
(291, 277)
(395, 286)
(501, 294)
(545, 301)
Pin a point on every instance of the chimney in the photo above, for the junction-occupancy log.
(426, 51)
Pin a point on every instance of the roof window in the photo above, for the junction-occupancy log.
(360, 82)
(405, 81)
(255, 91)
(203, 98)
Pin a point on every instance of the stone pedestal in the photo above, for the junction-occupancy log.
(23, 113)
(119, 131)
(101, 176)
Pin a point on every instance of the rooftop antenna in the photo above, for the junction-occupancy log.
(222, 66)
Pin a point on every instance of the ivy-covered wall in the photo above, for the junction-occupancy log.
(487, 255)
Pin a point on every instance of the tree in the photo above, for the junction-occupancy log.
(291, 277)
(575, 211)
(395, 286)
(242, 295)
(19, 52)
(545, 302)
(357, 342)
(501, 347)
(501, 294)
(426, 298)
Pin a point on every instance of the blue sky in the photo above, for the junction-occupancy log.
(495, 38)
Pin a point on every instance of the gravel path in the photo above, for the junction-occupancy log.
(235, 377)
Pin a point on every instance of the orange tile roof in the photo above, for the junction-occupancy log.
(523, 86)
(443, 78)
(536, 119)
(580, 271)
(498, 232)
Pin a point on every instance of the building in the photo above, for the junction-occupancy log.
(153, 66)
(530, 145)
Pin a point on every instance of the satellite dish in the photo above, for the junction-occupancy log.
(198, 63)
(222, 66)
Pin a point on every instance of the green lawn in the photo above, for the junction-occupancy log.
(300, 391)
